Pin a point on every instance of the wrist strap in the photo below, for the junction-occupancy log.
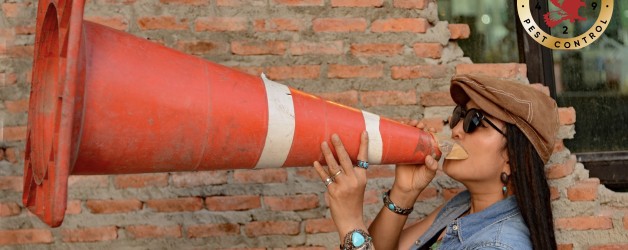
(394, 208)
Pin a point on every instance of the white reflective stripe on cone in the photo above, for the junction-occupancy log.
(371, 122)
(281, 125)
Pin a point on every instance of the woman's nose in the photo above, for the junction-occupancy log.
(457, 132)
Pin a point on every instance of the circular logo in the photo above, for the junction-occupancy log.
(566, 11)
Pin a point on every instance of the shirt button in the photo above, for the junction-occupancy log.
(454, 227)
(418, 242)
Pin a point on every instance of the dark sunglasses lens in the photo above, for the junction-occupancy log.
(472, 120)
(455, 117)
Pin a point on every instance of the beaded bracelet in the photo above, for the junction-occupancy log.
(357, 239)
(394, 208)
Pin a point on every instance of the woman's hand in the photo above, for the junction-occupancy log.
(410, 180)
(345, 194)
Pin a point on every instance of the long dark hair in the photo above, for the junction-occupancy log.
(531, 188)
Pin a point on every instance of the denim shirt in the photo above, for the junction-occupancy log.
(499, 226)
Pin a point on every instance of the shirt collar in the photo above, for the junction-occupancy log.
(501, 210)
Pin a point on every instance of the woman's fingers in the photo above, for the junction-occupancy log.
(343, 156)
(329, 158)
(363, 152)
(430, 163)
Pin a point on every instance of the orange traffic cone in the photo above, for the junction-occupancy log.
(105, 102)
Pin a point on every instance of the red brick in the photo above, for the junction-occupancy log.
(113, 206)
(307, 173)
(88, 181)
(258, 47)
(428, 50)
(565, 246)
(584, 223)
(585, 190)
(427, 194)
(12, 155)
(291, 203)
(141, 180)
(324, 225)
(93, 234)
(9, 209)
(294, 72)
(449, 193)
(153, 231)
(541, 87)
(439, 98)
(379, 98)
(187, 204)
(195, 179)
(339, 25)
(238, 3)
(260, 176)
(74, 207)
(278, 24)
(203, 47)
(186, 2)
(14, 133)
(259, 228)
(410, 4)
(317, 48)
(25, 236)
(415, 25)
(380, 171)
(625, 221)
(554, 193)
(25, 30)
(1, 154)
(256, 71)
(372, 196)
(459, 31)
(418, 71)
(349, 98)
(116, 22)
(7, 78)
(12, 10)
(561, 170)
(162, 23)
(11, 183)
(435, 123)
(21, 51)
(617, 246)
(355, 71)
(357, 3)
(232, 203)
(567, 116)
(376, 49)
(214, 24)
(501, 70)
(17, 106)
(212, 230)
(299, 2)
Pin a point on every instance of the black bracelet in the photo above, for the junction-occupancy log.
(394, 208)
(357, 239)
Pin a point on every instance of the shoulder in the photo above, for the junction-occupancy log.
(510, 233)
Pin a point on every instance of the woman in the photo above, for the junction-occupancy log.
(508, 130)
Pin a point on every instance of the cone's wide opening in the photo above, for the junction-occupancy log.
(45, 95)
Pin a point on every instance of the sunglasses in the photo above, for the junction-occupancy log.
(472, 120)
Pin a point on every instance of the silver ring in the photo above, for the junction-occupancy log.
(336, 174)
(328, 181)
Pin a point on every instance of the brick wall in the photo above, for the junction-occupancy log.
(390, 57)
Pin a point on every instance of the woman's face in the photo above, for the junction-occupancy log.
(487, 152)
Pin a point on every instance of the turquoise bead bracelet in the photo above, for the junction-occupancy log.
(394, 208)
